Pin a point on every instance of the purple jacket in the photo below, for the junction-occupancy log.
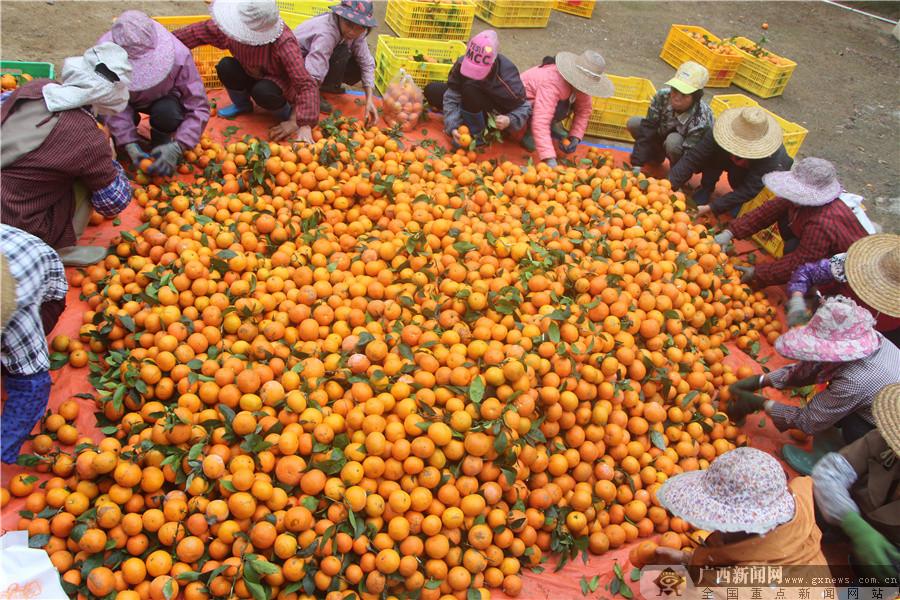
(319, 36)
(184, 83)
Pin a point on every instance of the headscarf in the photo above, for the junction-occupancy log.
(89, 81)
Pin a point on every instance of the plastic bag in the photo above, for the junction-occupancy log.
(26, 572)
(855, 203)
(402, 102)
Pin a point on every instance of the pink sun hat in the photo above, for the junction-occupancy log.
(810, 182)
(840, 331)
(742, 490)
(150, 48)
(480, 55)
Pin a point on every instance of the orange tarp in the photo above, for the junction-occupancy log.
(561, 585)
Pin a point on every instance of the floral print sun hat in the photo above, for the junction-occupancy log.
(840, 331)
(743, 490)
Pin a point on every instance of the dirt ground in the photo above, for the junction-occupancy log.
(845, 90)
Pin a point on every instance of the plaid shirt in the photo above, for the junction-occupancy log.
(851, 388)
(115, 197)
(823, 231)
(40, 277)
(663, 118)
(280, 62)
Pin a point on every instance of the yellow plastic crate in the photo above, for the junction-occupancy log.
(680, 47)
(769, 239)
(793, 134)
(431, 19)
(580, 8)
(393, 54)
(760, 75)
(609, 115)
(295, 12)
(206, 57)
(515, 13)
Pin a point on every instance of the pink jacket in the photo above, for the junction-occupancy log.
(544, 88)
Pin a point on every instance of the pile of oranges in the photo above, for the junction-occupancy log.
(358, 369)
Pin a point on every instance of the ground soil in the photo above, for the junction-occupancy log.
(846, 89)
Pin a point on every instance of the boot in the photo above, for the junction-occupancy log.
(476, 124)
(800, 460)
(241, 103)
(81, 256)
(284, 113)
(527, 141)
(557, 131)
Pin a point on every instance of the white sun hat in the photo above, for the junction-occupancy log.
(251, 22)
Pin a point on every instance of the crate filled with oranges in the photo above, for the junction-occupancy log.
(16, 73)
(689, 42)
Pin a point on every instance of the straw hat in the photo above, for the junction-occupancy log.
(810, 182)
(742, 490)
(586, 73)
(872, 269)
(840, 331)
(150, 48)
(251, 22)
(886, 410)
(748, 132)
(7, 292)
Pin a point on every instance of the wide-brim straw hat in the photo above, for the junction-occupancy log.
(840, 331)
(872, 269)
(251, 22)
(886, 410)
(810, 182)
(742, 490)
(748, 132)
(150, 48)
(586, 72)
(7, 292)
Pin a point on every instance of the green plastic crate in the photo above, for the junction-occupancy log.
(37, 70)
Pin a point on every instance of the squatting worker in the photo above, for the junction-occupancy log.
(336, 51)
(839, 346)
(57, 162)
(166, 85)
(33, 286)
(812, 219)
(482, 82)
(678, 119)
(562, 85)
(266, 65)
(868, 273)
(754, 515)
(746, 143)
(856, 488)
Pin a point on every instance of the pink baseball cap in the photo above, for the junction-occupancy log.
(480, 55)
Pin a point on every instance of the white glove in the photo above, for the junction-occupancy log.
(796, 310)
(165, 159)
(723, 238)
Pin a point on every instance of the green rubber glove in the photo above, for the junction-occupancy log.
(747, 384)
(878, 555)
(744, 403)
